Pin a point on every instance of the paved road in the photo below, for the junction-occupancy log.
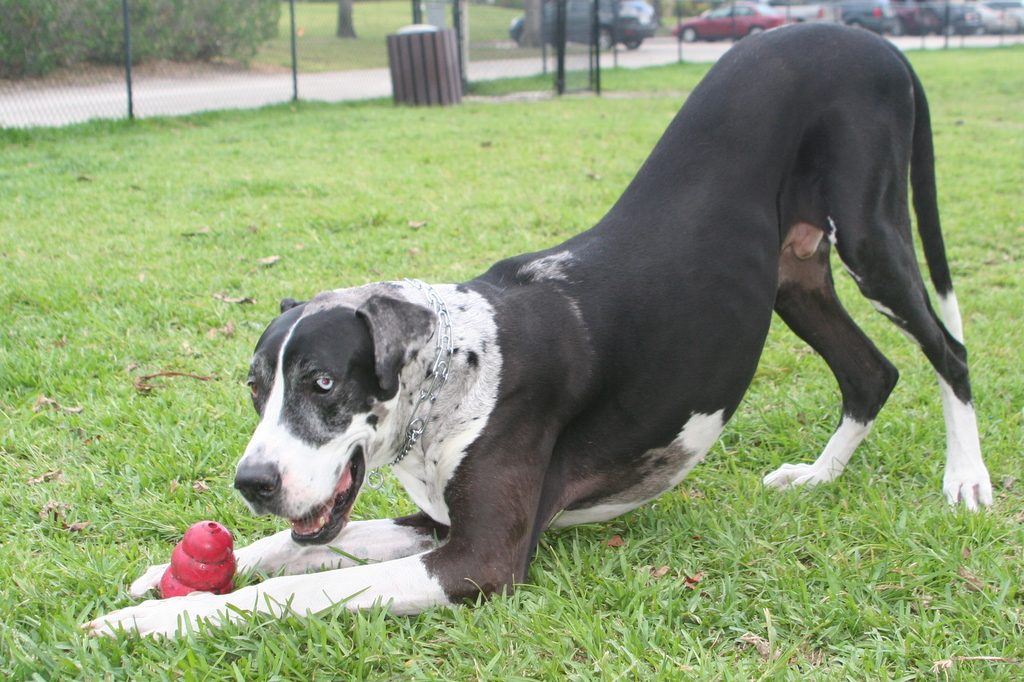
(32, 105)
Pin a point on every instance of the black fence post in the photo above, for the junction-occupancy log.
(295, 60)
(614, 33)
(595, 47)
(560, 46)
(128, 57)
(460, 45)
(946, 29)
(417, 12)
(678, 13)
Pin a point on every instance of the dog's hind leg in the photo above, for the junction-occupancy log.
(885, 268)
(872, 234)
(807, 302)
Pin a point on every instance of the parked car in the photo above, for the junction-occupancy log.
(801, 11)
(628, 22)
(730, 21)
(874, 15)
(994, 20)
(921, 17)
(1012, 8)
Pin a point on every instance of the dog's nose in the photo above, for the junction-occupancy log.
(259, 482)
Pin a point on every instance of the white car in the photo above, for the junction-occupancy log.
(995, 21)
(1012, 10)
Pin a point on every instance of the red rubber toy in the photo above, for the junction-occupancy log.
(203, 561)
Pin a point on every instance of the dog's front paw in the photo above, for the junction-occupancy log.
(968, 484)
(166, 617)
(793, 475)
(150, 580)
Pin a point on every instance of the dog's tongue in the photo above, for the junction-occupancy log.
(312, 523)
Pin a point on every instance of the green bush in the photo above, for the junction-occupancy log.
(37, 36)
(28, 44)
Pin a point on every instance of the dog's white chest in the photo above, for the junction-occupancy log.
(463, 408)
(425, 478)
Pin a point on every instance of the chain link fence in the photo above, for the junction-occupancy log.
(66, 61)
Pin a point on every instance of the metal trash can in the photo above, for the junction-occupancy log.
(424, 65)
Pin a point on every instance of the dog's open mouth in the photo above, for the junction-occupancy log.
(326, 521)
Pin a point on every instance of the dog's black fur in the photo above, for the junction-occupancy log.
(590, 377)
(810, 126)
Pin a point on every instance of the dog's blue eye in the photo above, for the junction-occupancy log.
(325, 383)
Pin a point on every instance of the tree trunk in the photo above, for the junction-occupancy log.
(346, 27)
(532, 23)
(658, 11)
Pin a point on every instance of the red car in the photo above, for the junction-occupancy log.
(729, 21)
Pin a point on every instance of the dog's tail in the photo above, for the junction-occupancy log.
(926, 206)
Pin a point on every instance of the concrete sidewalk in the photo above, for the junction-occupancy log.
(24, 105)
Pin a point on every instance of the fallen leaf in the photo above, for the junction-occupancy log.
(1008, 482)
(44, 402)
(764, 648)
(204, 230)
(55, 475)
(53, 508)
(693, 580)
(660, 572)
(615, 541)
(174, 485)
(268, 261)
(947, 663)
(77, 526)
(200, 486)
(816, 658)
(142, 386)
(966, 553)
(417, 224)
(974, 583)
(132, 366)
(226, 331)
(1019, 518)
(240, 300)
(61, 342)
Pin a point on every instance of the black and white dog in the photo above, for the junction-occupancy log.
(575, 384)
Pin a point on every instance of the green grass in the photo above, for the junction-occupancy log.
(319, 49)
(99, 284)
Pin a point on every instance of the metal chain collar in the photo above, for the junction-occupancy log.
(432, 384)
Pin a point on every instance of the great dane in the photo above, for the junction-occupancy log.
(574, 384)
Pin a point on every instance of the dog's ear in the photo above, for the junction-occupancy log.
(289, 303)
(396, 327)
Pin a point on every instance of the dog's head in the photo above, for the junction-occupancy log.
(325, 378)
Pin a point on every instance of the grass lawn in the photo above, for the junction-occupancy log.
(116, 237)
(319, 50)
